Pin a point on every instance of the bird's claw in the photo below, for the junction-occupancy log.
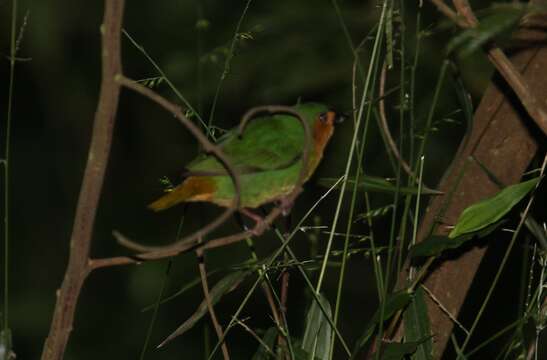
(286, 204)
(260, 223)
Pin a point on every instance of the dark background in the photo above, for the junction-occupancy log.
(297, 51)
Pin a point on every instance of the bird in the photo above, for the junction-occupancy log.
(267, 157)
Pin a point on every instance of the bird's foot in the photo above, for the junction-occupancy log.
(285, 204)
(260, 223)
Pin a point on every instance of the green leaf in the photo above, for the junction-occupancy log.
(222, 287)
(376, 184)
(395, 302)
(417, 328)
(486, 212)
(268, 340)
(436, 244)
(398, 351)
(318, 332)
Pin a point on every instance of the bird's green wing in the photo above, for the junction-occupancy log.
(271, 143)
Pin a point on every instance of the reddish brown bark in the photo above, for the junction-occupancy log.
(504, 140)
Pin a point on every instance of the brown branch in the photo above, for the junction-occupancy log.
(208, 147)
(101, 140)
(501, 141)
(533, 105)
(190, 242)
(449, 13)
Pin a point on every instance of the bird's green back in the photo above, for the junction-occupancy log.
(268, 143)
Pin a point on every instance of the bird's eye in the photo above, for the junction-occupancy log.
(323, 117)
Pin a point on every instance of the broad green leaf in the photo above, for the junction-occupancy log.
(377, 184)
(395, 302)
(263, 352)
(399, 351)
(318, 332)
(417, 328)
(222, 287)
(486, 212)
(436, 244)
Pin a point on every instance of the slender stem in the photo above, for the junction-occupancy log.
(156, 310)
(227, 63)
(101, 140)
(164, 76)
(352, 150)
(6, 165)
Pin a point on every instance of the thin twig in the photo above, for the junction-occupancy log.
(444, 309)
(285, 276)
(207, 295)
(208, 147)
(253, 334)
(190, 242)
(449, 13)
(101, 140)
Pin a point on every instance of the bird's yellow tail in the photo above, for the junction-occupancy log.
(195, 188)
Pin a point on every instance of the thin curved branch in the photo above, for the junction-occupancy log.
(209, 148)
(449, 13)
(190, 243)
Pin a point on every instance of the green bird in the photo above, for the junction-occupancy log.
(267, 157)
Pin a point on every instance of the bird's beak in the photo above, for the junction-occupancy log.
(340, 118)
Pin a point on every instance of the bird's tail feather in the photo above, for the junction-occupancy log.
(192, 189)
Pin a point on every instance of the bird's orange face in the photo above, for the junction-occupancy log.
(322, 130)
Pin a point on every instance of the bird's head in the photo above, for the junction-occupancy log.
(321, 120)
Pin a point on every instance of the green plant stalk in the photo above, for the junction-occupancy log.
(418, 197)
(376, 264)
(285, 329)
(6, 163)
(347, 34)
(227, 62)
(412, 100)
(352, 150)
(360, 157)
(277, 253)
(402, 100)
(271, 295)
(431, 113)
(156, 310)
(199, 53)
(501, 332)
(412, 124)
(169, 83)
